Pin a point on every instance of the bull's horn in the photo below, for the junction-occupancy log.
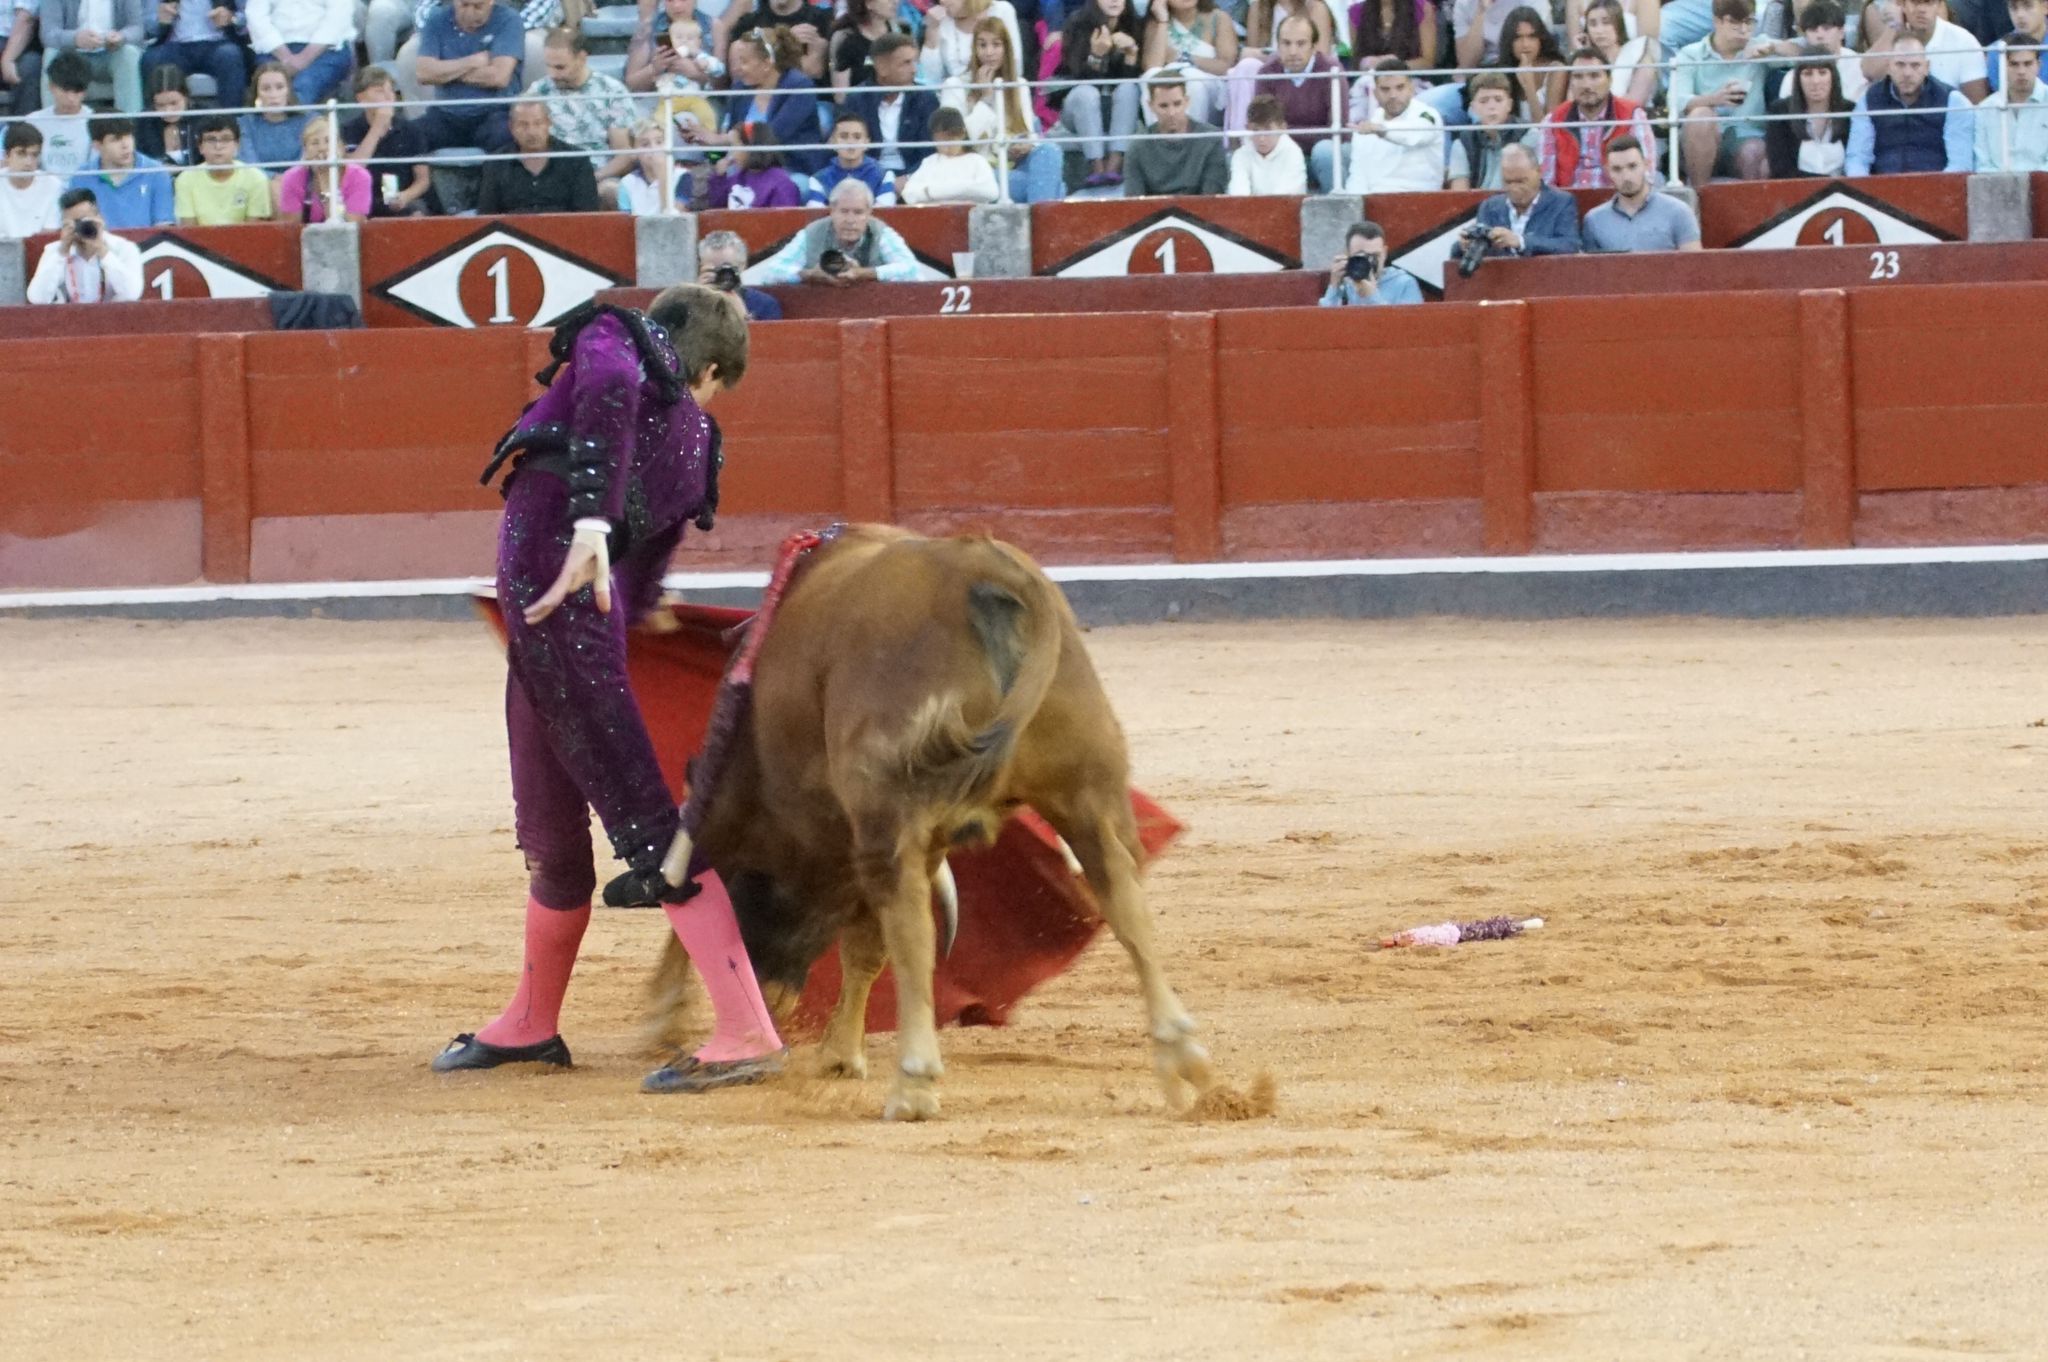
(949, 899)
(676, 864)
(1074, 866)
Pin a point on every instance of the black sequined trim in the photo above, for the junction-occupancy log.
(657, 352)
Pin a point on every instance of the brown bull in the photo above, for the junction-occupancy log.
(910, 694)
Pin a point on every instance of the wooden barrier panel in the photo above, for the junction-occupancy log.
(151, 317)
(1091, 238)
(1890, 210)
(509, 271)
(978, 297)
(1575, 276)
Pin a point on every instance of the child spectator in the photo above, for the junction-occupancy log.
(220, 190)
(389, 147)
(303, 189)
(851, 162)
(640, 189)
(161, 134)
(1269, 161)
(28, 194)
(681, 71)
(129, 190)
(270, 139)
(1475, 150)
(65, 122)
(753, 179)
(949, 174)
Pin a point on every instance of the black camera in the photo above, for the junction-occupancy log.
(725, 278)
(833, 263)
(1472, 243)
(87, 229)
(1359, 268)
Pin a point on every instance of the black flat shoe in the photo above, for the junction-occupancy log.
(687, 1073)
(467, 1052)
(646, 889)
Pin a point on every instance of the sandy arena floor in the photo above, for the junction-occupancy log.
(1770, 1085)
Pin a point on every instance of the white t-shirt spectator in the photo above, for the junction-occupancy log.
(1406, 158)
(24, 212)
(67, 139)
(641, 196)
(966, 178)
(1283, 172)
(1953, 57)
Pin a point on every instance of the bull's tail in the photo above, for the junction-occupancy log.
(1017, 615)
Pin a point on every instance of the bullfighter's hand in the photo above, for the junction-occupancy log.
(588, 564)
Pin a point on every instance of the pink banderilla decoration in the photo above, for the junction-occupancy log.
(1451, 933)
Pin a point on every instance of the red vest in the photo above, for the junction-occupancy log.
(1566, 135)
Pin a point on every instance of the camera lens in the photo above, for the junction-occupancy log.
(726, 277)
(833, 262)
(88, 228)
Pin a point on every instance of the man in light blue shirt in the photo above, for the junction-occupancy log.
(1636, 219)
(1921, 125)
(132, 190)
(2012, 125)
(852, 246)
(1368, 285)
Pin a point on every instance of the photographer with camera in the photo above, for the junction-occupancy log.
(86, 263)
(1527, 217)
(1361, 276)
(721, 257)
(849, 247)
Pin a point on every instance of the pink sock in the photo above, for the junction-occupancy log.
(535, 1012)
(741, 1027)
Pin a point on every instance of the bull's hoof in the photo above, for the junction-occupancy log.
(1183, 1069)
(853, 1066)
(912, 1100)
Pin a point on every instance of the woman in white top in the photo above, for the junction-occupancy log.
(1200, 38)
(949, 37)
(991, 99)
(1611, 31)
(640, 189)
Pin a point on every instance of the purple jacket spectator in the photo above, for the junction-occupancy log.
(770, 187)
(1306, 100)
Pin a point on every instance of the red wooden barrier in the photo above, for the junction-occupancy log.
(1096, 237)
(247, 261)
(468, 272)
(1573, 276)
(1133, 293)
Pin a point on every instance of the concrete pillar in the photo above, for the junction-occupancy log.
(664, 249)
(13, 271)
(2001, 208)
(1324, 220)
(330, 258)
(999, 234)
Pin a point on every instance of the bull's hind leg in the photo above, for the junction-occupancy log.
(1107, 847)
(902, 897)
(843, 1053)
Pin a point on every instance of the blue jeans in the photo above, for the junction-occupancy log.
(1325, 169)
(321, 75)
(222, 61)
(1042, 178)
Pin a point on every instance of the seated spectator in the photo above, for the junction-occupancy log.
(670, 54)
(1576, 134)
(2012, 125)
(850, 161)
(537, 19)
(303, 191)
(1000, 119)
(1393, 30)
(896, 121)
(1305, 84)
(1199, 43)
(537, 182)
(87, 263)
(808, 24)
(129, 190)
(311, 39)
(160, 134)
(1475, 150)
(1954, 59)
(220, 191)
(270, 139)
(1717, 89)
(1361, 276)
(384, 24)
(2029, 29)
(197, 37)
(640, 189)
(1636, 219)
(853, 36)
(1528, 217)
(1821, 26)
(1187, 164)
(721, 260)
(28, 193)
(749, 178)
(469, 49)
(390, 148)
(65, 122)
(1816, 143)
(1263, 19)
(1269, 161)
(1633, 73)
(783, 111)
(1933, 134)
(848, 246)
(952, 173)
(106, 37)
(1476, 27)
(21, 64)
(1530, 59)
(587, 109)
(1402, 151)
(1102, 43)
(949, 37)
